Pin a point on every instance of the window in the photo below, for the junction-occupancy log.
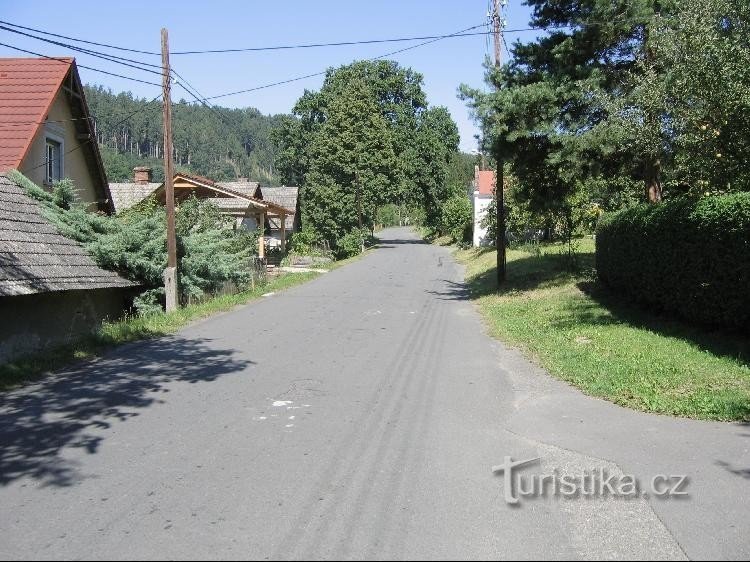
(53, 158)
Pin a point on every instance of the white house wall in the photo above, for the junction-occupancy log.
(480, 204)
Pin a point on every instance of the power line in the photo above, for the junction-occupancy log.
(331, 44)
(466, 33)
(190, 89)
(58, 59)
(321, 73)
(25, 123)
(77, 40)
(84, 143)
(111, 58)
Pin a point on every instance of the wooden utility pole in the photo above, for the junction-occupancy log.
(170, 274)
(499, 195)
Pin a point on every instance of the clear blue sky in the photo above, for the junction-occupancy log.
(224, 24)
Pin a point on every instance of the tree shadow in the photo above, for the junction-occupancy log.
(736, 471)
(453, 291)
(548, 271)
(40, 422)
(391, 242)
(525, 274)
(606, 308)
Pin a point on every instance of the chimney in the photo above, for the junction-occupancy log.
(142, 174)
(242, 179)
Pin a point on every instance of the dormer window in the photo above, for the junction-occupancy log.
(53, 158)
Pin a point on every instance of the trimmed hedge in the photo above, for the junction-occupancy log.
(688, 257)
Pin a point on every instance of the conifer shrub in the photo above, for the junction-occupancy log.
(134, 244)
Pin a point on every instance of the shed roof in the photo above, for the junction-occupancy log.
(35, 257)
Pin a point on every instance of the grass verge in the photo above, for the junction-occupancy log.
(112, 334)
(605, 346)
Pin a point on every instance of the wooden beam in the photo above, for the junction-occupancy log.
(283, 232)
(262, 238)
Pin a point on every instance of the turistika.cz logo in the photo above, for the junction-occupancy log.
(596, 482)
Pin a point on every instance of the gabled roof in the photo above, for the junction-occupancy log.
(251, 188)
(35, 257)
(28, 88)
(284, 196)
(225, 197)
(485, 182)
(126, 195)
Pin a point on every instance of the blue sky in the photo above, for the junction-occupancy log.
(225, 24)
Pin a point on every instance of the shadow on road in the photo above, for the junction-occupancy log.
(39, 422)
(391, 242)
(453, 291)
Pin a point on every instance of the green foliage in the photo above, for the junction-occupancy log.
(63, 194)
(133, 244)
(389, 214)
(354, 167)
(350, 244)
(460, 172)
(305, 242)
(688, 257)
(623, 95)
(684, 104)
(119, 165)
(221, 143)
(427, 162)
(416, 215)
(369, 129)
(457, 218)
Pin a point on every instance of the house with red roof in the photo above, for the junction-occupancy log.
(481, 192)
(46, 131)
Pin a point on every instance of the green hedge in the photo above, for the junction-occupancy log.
(688, 257)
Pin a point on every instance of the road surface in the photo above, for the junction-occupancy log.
(356, 416)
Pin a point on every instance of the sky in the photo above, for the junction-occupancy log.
(223, 24)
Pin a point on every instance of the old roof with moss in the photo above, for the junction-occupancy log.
(35, 257)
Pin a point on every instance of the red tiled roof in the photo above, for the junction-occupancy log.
(486, 183)
(27, 89)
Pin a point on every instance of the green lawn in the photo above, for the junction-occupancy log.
(137, 328)
(605, 346)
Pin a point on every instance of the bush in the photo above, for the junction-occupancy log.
(133, 243)
(689, 257)
(305, 242)
(388, 215)
(456, 218)
(350, 244)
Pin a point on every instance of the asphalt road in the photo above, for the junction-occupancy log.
(356, 416)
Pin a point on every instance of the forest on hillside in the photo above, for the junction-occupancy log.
(217, 142)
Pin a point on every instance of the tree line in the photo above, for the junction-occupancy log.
(368, 138)
(220, 143)
(620, 102)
